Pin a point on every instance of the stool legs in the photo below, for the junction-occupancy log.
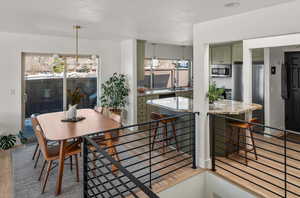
(154, 135)
(175, 136)
(253, 144)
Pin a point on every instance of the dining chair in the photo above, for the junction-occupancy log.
(37, 151)
(100, 140)
(51, 154)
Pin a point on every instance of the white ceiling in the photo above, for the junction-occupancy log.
(168, 21)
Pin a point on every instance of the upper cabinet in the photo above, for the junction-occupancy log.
(221, 54)
(258, 55)
(165, 51)
(237, 52)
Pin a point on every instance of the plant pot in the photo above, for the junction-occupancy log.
(116, 111)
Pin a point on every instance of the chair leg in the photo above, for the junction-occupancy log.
(165, 138)
(46, 176)
(37, 159)
(238, 141)
(246, 157)
(116, 153)
(253, 144)
(77, 168)
(45, 162)
(35, 151)
(175, 136)
(71, 163)
(155, 134)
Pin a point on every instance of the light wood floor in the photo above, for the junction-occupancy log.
(267, 173)
(5, 174)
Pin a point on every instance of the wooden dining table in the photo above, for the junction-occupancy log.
(56, 130)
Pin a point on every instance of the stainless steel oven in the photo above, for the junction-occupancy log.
(223, 71)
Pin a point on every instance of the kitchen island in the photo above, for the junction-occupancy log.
(230, 108)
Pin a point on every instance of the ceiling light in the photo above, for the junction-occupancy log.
(232, 5)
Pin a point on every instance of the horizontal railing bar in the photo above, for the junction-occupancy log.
(259, 177)
(119, 166)
(250, 181)
(252, 123)
(244, 144)
(249, 174)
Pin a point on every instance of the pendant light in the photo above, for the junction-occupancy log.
(182, 60)
(155, 61)
(77, 28)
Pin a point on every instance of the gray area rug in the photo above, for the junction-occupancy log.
(26, 184)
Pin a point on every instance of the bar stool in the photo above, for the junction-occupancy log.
(165, 121)
(244, 126)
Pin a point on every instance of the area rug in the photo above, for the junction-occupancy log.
(26, 184)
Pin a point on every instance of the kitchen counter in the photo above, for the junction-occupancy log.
(177, 104)
(182, 104)
(231, 107)
(164, 91)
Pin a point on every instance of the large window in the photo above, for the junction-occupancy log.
(163, 73)
(49, 78)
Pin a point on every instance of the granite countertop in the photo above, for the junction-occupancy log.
(182, 104)
(177, 104)
(232, 107)
(164, 91)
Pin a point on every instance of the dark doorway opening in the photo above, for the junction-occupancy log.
(292, 104)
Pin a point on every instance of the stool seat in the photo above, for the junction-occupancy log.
(163, 118)
(244, 126)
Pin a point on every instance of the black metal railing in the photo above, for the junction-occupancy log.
(271, 169)
(131, 161)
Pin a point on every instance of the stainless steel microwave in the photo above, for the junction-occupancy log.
(222, 71)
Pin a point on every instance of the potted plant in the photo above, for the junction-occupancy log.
(115, 92)
(58, 64)
(7, 141)
(214, 93)
(74, 99)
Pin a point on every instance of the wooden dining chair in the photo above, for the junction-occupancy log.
(37, 151)
(51, 154)
(114, 135)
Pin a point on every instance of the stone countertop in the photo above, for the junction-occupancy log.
(164, 91)
(177, 104)
(232, 107)
(182, 104)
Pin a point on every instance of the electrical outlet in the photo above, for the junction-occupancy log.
(12, 92)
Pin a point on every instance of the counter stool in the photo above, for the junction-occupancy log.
(244, 126)
(165, 121)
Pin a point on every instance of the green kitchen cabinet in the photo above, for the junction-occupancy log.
(237, 52)
(221, 54)
(258, 55)
(186, 94)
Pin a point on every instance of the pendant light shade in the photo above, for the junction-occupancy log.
(155, 61)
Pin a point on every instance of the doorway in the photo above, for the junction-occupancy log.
(292, 104)
(50, 80)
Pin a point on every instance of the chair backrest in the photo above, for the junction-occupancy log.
(40, 136)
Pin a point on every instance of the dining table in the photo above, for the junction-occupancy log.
(55, 129)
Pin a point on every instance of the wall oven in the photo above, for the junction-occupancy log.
(221, 71)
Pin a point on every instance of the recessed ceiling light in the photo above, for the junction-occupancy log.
(232, 5)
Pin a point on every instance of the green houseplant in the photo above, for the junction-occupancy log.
(214, 93)
(115, 92)
(7, 141)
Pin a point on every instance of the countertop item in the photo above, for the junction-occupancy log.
(182, 104)
(233, 107)
(164, 91)
(177, 104)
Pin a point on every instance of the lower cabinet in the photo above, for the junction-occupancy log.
(187, 94)
(143, 109)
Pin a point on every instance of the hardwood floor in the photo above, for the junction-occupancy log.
(265, 176)
(5, 175)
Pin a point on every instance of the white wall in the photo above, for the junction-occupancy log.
(276, 20)
(11, 47)
(129, 67)
(205, 185)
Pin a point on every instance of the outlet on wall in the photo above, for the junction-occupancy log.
(12, 92)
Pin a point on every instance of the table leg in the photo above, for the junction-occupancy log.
(60, 167)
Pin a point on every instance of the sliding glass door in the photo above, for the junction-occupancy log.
(49, 81)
